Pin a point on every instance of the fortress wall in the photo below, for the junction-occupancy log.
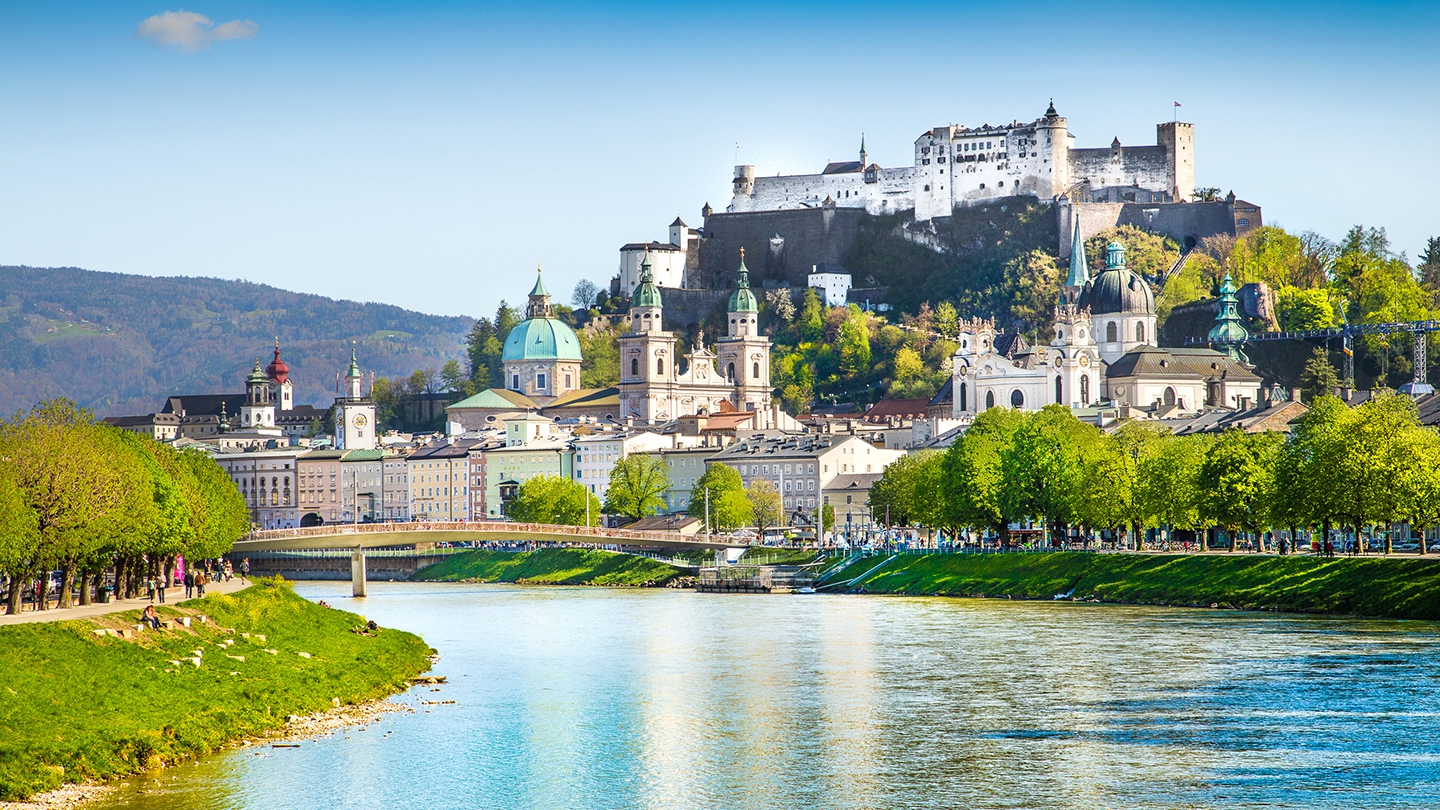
(808, 236)
(803, 190)
(1143, 166)
(1179, 221)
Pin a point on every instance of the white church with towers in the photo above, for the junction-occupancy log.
(1104, 353)
(654, 384)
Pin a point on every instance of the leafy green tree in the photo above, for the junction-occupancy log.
(1106, 499)
(553, 499)
(766, 508)
(812, 317)
(827, 519)
(1146, 253)
(1319, 377)
(19, 530)
(1374, 459)
(1167, 484)
(452, 378)
(729, 508)
(600, 346)
(854, 342)
(1032, 284)
(972, 476)
(1043, 467)
(1235, 481)
(637, 484)
(895, 498)
(1298, 309)
(1429, 267)
(946, 320)
(224, 517)
(906, 366)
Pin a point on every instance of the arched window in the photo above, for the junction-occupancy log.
(1111, 332)
(962, 396)
(1084, 389)
(755, 371)
(1017, 399)
(730, 372)
(659, 366)
(989, 399)
(1059, 391)
(1140, 332)
(1169, 396)
(1059, 334)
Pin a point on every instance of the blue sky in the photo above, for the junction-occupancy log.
(430, 154)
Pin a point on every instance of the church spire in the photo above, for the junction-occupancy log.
(1079, 273)
(864, 158)
(539, 306)
(1229, 334)
(743, 300)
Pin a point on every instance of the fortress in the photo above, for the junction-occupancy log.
(958, 165)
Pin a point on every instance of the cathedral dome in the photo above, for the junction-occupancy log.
(541, 339)
(1117, 288)
(743, 300)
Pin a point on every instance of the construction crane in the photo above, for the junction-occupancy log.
(1419, 329)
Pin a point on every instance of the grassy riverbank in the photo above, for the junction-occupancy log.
(76, 706)
(551, 566)
(1399, 588)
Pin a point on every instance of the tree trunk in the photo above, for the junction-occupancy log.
(1230, 538)
(12, 600)
(84, 588)
(67, 584)
(42, 599)
(1422, 539)
(1324, 535)
(1390, 539)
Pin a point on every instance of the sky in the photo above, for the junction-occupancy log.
(432, 154)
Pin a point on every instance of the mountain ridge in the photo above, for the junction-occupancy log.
(121, 343)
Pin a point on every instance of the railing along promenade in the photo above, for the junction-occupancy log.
(501, 529)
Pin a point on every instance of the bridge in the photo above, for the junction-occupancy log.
(427, 534)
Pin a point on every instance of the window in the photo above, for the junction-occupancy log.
(1243, 222)
(1002, 184)
(989, 399)
(982, 186)
(730, 372)
(756, 371)
(515, 382)
(1059, 391)
(1017, 399)
(1111, 332)
(540, 381)
(1140, 332)
(1169, 396)
(568, 384)
(659, 365)
(1085, 389)
(962, 396)
(635, 366)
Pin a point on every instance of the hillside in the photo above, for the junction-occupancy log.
(121, 344)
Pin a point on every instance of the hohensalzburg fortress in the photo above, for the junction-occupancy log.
(957, 166)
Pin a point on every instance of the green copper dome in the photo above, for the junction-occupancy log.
(1228, 332)
(646, 293)
(742, 300)
(541, 339)
(257, 375)
(354, 370)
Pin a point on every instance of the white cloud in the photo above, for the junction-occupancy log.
(187, 32)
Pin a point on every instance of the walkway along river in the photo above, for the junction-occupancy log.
(600, 698)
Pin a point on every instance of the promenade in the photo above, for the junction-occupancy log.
(172, 596)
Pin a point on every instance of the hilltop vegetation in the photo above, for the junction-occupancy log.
(121, 344)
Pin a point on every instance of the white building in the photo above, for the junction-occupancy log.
(960, 165)
(801, 467)
(266, 479)
(833, 283)
(355, 427)
(597, 454)
(439, 478)
(667, 259)
(395, 501)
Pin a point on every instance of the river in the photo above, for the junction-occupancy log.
(601, 698)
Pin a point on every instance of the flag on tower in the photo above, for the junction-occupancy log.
(1177, 104)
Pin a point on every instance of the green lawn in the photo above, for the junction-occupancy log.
(75, 706)
(381, 334)
(550, 566)
(1406, 588)
(59, 330)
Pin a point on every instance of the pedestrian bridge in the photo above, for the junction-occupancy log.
(427, 534)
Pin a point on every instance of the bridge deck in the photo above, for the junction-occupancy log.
(377, 535)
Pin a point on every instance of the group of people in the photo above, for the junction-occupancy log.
(195, 579)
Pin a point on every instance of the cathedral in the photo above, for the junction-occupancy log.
(653, 385)
(1104, 352)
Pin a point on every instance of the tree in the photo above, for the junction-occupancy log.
(1167, 482)
(729, 508)
(1319, 377)
(1032, 284)
(637, 483)
(1043, 467)
(585, 294)
(1298, 309)
(553, 499)
(812, 317)
(600, 346)
(906, 366)
(766, 507)
(779, 303)
(972, 478)
(1429, 267)
(946, 320)
(827, 520)
(452, 378)
(1235, 480)
(854, 342)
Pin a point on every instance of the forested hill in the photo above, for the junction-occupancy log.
(121, 344)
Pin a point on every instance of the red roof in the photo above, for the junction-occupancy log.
(277, 370)
(912, 408)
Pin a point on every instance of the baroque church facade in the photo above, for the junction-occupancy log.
(1104, 351)
(653, 385)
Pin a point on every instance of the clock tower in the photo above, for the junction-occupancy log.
(355, 427)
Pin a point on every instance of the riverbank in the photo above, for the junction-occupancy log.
(1406, 588)
(554, 566)
(81, 704)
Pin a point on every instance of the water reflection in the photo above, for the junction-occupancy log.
(598, 699)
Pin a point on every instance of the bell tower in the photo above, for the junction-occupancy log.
(355, 427)
(744, 353)
(1074, 358)
(648, 376)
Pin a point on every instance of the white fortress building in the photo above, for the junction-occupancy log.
(958, 165)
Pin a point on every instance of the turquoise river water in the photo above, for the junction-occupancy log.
(600, 698)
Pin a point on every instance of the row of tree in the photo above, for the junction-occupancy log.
(83, 498)
(1369, 466)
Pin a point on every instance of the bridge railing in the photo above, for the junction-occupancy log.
(596, 533)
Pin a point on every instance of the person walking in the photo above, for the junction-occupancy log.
(189, 583)
(200, 583)
(150, 588)
(160, 586)
(245, 570)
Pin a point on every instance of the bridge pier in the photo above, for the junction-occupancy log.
(357, 572)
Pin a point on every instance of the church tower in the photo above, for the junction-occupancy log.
(744, 353)
(648, 375)
(355, 427)
(1074, 357)
(282, 391)
(258, 412)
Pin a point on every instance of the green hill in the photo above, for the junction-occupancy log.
(121, 344)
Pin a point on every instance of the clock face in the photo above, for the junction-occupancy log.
(359, 420)
(1084, 361)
